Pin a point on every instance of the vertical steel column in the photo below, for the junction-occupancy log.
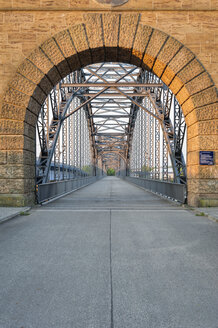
(151, 143)
(58, 145)
(157, 150)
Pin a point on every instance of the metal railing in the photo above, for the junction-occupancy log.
(47, 191)
(170, 189)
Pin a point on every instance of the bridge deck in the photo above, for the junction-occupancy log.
(109, 255)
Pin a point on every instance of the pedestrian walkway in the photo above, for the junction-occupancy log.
(7, 213)
(110, 255)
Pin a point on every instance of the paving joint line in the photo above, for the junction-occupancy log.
(111, 275)
(14, 215)
(198, 212)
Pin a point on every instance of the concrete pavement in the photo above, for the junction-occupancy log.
(109, 255)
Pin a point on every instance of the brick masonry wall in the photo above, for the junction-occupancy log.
(23, 31)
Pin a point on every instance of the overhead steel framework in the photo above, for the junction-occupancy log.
(111, 115)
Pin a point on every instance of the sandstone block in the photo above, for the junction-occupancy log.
(140, 43)
(11, 127)
(20, 157)
(206, 142)
(13, 171)
(52, 51)
(23, 85)
(8, 142)
(34, 106)
(95, 36)
(169, 50)
(12, 112)
(209, 186)
(111, 23)
(30, 71)
(155, 43)
(202, 172)
(16, 186)
(208, 112)
(39, 59)
(79, 37)
(203, 128)
(168, 75)
(46, 85)
(201, 82)
(193, 69)
(3, 157)
(18, 200)
(176, 85)
(17, 17)
(182, 58)
(205, 97)
(15, 97)
(127, 32)
(19, 37)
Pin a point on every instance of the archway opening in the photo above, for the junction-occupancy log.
(110, 116)
(118, 38)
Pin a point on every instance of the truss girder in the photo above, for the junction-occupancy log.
(121, 110)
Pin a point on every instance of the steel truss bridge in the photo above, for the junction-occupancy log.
(110, 115)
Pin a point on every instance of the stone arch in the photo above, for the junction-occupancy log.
(116, 37)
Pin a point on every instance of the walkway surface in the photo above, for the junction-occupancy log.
(109, 256)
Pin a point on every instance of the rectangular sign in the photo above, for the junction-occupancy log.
(206, 158)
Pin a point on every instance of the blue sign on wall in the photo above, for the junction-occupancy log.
(206, 158)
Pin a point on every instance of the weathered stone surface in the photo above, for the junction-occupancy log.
(181, 59)
(39, 95)
(18, 200)
(23, 85)
(127, 32)
(63, 40)
(39, 59)
(12, 112)
(16, 186)
(11, 127)
(95, 35)
(52, 51)
(206, 142)
(30, 71)
(155, 43)
(203, 128)
(79, 37)
(13, 171)
(208, 186)
(201, 82)
(140, 43)
(46, 85)
(168, 51)
(3, 157)
(202, 172)
(20, 157)
(35, 106)
(202, 199)
(8, 142)
(205, 97)
(208, 112)
(17, 98)
(111, 23)
(194, 68)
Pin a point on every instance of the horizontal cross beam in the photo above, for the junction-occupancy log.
(112, 85)
(110, 116)
(108, 95)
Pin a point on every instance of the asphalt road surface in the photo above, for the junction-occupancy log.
(110, 255)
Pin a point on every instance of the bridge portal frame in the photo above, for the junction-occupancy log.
(120, 38)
